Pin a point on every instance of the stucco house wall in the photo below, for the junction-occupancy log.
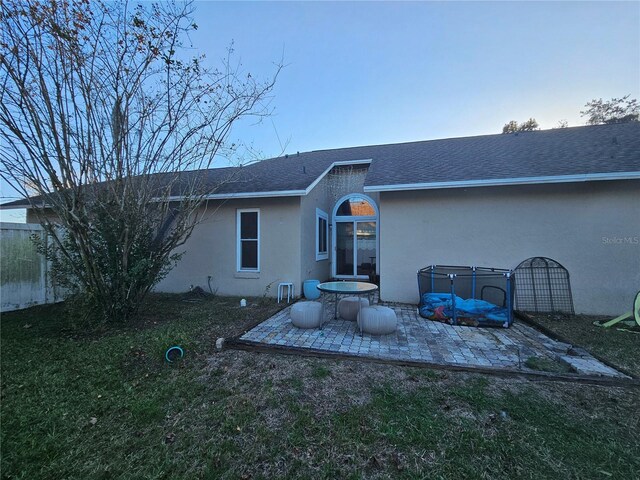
(310, 267)
(211, 250)
(592, 228)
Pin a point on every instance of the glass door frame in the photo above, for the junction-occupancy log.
(335, 219)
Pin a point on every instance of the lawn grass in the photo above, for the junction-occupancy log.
(102, 403)
(618, 347)
(543, 364)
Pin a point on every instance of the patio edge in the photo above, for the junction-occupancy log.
(560, 338)
(236, 343)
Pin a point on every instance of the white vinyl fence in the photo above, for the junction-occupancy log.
(24, 279)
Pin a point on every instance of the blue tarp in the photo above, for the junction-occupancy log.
(440, 306)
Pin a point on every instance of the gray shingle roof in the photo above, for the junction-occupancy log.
(547, 153)
(600, 149)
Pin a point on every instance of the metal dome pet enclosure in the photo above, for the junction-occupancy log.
(463, 295)
(543, 286)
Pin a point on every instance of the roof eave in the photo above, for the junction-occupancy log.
(228, 196)
(27, 206)
(590, 177)
(281, 193)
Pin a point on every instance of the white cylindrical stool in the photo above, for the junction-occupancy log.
(377, 320)
(306, 314)
(349, 307)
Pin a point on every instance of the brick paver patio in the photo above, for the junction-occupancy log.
(421, 340)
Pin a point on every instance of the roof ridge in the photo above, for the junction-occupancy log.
(413, 142)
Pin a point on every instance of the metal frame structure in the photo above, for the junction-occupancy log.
(543, 287)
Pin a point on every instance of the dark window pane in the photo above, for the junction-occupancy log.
(249, 254)
(325, 232)
(344, 250)
(249, 225)
(344, 208)
(322, 235)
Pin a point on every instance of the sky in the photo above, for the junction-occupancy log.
(384, 72)
(363, 73)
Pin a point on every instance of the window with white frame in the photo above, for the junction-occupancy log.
(248, 237)
(322, 235)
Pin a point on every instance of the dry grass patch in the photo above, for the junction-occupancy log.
(618, 347)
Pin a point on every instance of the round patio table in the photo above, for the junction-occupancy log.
(347, 288)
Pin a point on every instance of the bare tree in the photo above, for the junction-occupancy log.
(101, 106)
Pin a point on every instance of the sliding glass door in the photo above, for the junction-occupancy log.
(355, 249)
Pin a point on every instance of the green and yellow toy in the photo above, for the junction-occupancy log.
(626, 318)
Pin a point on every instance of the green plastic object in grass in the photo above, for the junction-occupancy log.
(635, 313)
(173, 353)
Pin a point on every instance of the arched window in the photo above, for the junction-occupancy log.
(356, 206)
